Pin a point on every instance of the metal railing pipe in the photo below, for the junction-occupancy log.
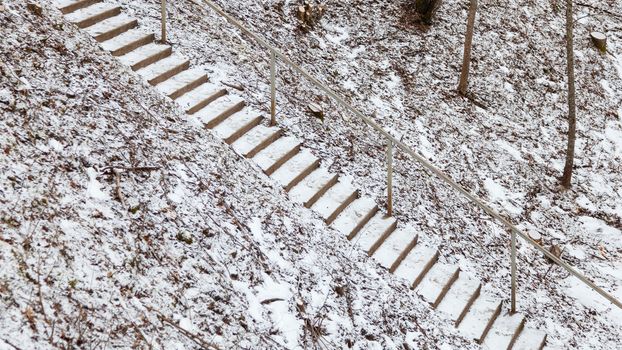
(163, 13)
(272, 88)
(389, 177)
(513, 269)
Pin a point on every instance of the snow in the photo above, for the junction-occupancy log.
(293, 168)
(311, 185)
(93, 189)
(334, 198)
(354, 215)
(459, 137)
(391, 249)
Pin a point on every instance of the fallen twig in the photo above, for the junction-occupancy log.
(114, 168)
(195, 338)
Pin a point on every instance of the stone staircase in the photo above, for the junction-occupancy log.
(399, 248)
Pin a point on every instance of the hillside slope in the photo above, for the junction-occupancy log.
(123, 225)
(509, 153)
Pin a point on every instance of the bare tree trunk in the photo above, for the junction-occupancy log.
(468, 40)
(572, 108)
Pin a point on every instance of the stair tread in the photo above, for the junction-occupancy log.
(194, 97)
(123, 40)
(311, 185)
(415, 262)
(333, 199)
(234, 123)
(210, 112)
(376, 228)
(479, 315)
(530, 339)
(252, 139)
(142, 53)
(393, 247)
(432, 285)
(178, 81)
(458, 296)
(273, 153)
(65, 3)
(299, 163)
(109, 24)
(503, 331)
(89, 12)
(353, 214)
(162, 66)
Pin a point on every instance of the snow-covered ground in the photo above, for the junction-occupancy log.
(124, 226)
(109, 267)
(510, 153)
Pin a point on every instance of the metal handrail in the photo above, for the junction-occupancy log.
(392, 141)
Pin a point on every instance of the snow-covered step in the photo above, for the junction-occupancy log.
(355, 216)
(417, 263)
(217, 111)
(68, 6)
(296, 169)
(504, 332)
(196, 99)
(183, 82)
(237, 125)
(395, 248)
(337, 198)
(127, 42)
(256, 140)
(375, 232)
(164, 69)
(312, 187)
(437, 282)
(87, 16)
(145, 55)
(276, 154)
(111, 27)
(480, 318)
(460, 297)
(530, 339)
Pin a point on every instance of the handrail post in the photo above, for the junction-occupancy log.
(163, 21)
(513, 268)
(272, 88)
(390, 177)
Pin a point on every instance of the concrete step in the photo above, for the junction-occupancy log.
(335, 200)
(395, 248)
(164, 69)
(355, 216)
(437, 282)
(375, 232)
(277, 153)
(530, 339)
(145, 55)
(219, 110)
(296, 169)
(480, 317)
(417, 263)
(504, 331)
(68, 6)
(460, 297)
(183, 82)
(87, 16)
(237, 125)
(127, 42)
(196, 99)
(256, 140)
(111, 27)
(312, 187)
